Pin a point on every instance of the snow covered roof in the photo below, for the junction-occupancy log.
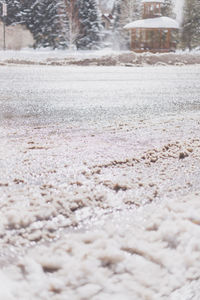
(161, 22)
(152, 1)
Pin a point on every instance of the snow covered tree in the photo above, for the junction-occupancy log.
(90, 25)
(190, 37)
(58, 23)
(27, 12)
(125, 11)
(43, 18)
(13, 11)
(116, 26)
(168, 9)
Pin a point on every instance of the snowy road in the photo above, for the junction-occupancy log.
(98, 95)
(99, 183)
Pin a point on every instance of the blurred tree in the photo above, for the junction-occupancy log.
(116, 12)
(13, 11)
(125, 11)
(89, 24)
(190, 36)
(58, 23)
(44, 19)
(168, 9)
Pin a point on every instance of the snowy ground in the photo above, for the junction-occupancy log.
(105, 57)
(99, 183)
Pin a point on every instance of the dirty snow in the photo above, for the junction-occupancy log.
(104, 57)
(99, 183)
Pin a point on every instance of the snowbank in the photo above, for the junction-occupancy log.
(98, 58)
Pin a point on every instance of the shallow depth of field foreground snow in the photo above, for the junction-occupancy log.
(99, 183)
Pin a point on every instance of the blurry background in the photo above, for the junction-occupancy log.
(89, 24)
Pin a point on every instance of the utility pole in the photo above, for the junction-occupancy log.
(4, 15)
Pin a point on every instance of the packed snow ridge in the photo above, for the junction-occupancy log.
(98, 58)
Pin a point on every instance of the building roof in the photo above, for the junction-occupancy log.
(152, 1)
(161, 22)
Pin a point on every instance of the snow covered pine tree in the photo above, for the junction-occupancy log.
(190, 37)
(167, 9)
(43, 18)
(59, 23)
(13, 10)
(90, 25)
(116, 27)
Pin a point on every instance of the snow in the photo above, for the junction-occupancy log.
(154, 257)
(97, 200)
(45, 54)
(161, 22)
(105, 57)
(152, 1)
